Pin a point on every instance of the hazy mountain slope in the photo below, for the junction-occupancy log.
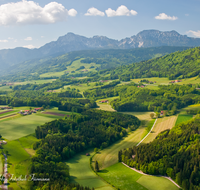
(72, 42)
(104, 58)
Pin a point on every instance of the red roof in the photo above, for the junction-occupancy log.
(26, 110)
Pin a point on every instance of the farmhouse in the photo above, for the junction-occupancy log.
(104, 101)
(37, 109)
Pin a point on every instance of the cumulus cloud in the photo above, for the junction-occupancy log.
(194, 33)
(121, 11)
(94, 12)
(163, 16)
(29, 46)
(29, 12)
(4, 41)
(72, 12)
(28, 39)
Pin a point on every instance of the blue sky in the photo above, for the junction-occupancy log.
(33, 23)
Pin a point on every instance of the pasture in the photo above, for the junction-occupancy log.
(182, 118)
(14, 128)
(161, 125)
(154, 182)
(80, 172)
(122, 177)
(19, 158)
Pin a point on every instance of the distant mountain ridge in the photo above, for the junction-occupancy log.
(72, 42)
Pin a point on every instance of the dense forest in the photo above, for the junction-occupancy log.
(179, 65)
(62, 139)
(173, 153)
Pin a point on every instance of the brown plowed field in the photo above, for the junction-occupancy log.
(54, 113)
(5, 111)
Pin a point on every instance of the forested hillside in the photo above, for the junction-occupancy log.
(135, 98)
(180, 65)
(62, 139)
(107, 58)
(173, 153)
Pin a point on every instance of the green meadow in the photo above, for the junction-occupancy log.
(125, 178)
(182, 118)
(15, 128)
(80, 172)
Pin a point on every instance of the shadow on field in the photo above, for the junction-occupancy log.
(104, 171)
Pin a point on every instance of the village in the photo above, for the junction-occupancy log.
(28, 112)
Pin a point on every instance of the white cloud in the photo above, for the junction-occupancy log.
(10, 38)
(186, 14)
(194, 33)
(29, 46)
(30, 12)
(94, 12)
(4, 41)
(163, 16)
(28, 39)
(121, 11)
(72, 12)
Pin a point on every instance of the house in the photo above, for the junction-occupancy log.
(87, 154)
(37, 109)
(161, 113)
(104, 101)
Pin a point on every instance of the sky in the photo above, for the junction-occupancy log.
(34, 23)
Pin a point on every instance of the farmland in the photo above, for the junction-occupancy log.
(161, 125)
(125, 179)
(182, 118)
(81, 173)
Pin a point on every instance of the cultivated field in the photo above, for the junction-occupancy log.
(182, 118)
(15, 128)
(81, 173)
(161, 125)
(109, 156)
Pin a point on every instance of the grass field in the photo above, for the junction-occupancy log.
(126, 179)
(161, 125)
(154, 183)
(81, 173)
(182, 118)
(109, 156)
(15, 128)
(19, 158)
(122, 177)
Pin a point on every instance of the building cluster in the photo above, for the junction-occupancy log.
(175, 81)
(28, 112)
(5, 108)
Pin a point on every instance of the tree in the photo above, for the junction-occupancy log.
(96, 166)
(152, 115)
(95, 150)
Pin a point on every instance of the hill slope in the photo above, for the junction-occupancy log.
(72, 42)
(183, 64)
(100, 59)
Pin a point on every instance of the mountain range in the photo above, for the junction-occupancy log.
(72, 42)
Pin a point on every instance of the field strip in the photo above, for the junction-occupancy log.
(7, 116)
(138, 171)
(148, 133)
(109, 156)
